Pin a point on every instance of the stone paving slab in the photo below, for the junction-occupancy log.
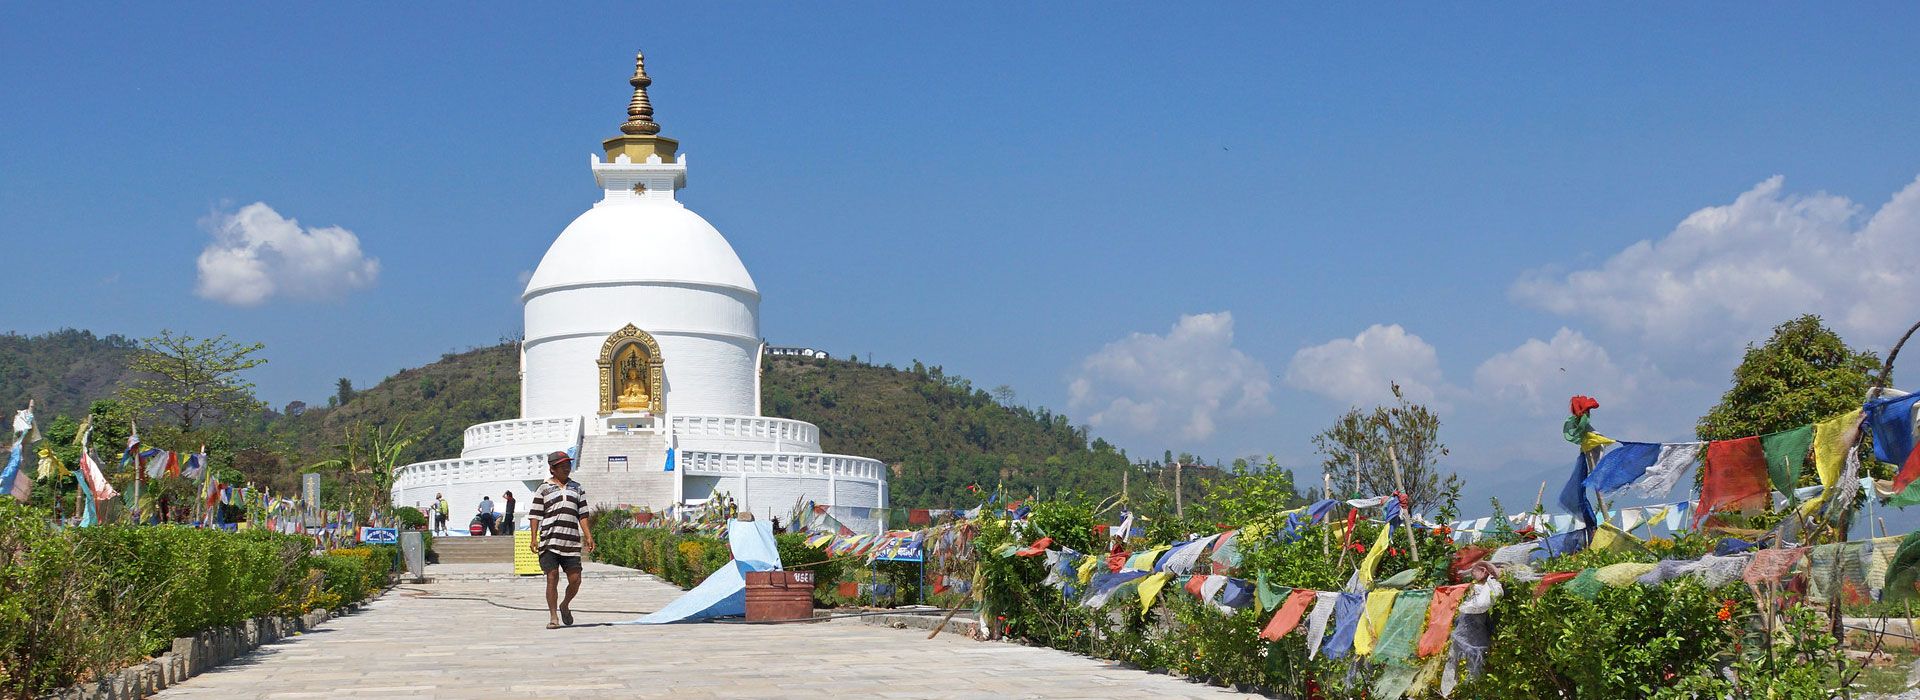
(426, 641)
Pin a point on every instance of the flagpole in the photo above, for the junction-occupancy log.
(139, 470)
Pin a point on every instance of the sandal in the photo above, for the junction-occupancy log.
(566, 617)
(553, 625)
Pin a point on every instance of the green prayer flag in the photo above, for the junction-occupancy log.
(1587, 584)
(1269, 595)
(1786, 453)
(1576, 428)
(1903, 572)
(1908, 496)
(1403, 627)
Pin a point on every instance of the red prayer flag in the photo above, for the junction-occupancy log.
(1466, 557)
(919, 516)
(1037, 548)
(1553, 579)
(1117, 561)
(1195, 582)
(1909, 471)
(1446, 601)
(1289, 615)
(1736, 478)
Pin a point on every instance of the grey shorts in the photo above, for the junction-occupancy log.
(550, 560)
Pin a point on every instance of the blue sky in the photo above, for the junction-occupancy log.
(1207, 230)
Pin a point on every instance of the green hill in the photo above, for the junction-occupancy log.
(938, 433)
(441, 398)
(64, 371)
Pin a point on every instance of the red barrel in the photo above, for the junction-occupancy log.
(779, 595)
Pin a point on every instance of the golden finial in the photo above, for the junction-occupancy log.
(640, 110)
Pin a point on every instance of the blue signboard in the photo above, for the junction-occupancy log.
(380, 535)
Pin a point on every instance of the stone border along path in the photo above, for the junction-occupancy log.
(194, 655)
(411, 644)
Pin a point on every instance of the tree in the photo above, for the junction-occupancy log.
(1004, 394)
(343, 391)
(190, 381)
(1254, 492)
(1359, 443)
(366, 460)
(1801, 375)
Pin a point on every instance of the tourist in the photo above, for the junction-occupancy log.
(487, 515)
(506, 522)
(558, 520)
(440, 514)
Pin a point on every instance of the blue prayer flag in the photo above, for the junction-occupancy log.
(1573, 496)
(1623, 465)
(1892, 424)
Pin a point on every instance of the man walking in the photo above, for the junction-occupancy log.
(558, 521)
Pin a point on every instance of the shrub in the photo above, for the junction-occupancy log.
(81, 601)
(410, 518)
(683, 560)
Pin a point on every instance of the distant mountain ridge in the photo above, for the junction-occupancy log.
(946, 442)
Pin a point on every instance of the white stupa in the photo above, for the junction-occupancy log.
(643, 334)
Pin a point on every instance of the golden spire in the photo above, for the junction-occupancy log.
(640, 137)
(640, 110)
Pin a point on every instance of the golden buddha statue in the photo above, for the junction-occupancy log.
(633, 381)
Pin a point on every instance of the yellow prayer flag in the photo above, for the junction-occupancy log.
(1150, 589)
(1830, 454)
(1373, 620)
(50, 466)
(1372, 561)
(1593, 441)
(1613, 539)
(1143, 561)
(1086, 568)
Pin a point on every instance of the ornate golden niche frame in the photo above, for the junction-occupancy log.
(609, 402)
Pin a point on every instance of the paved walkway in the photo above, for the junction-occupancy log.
(423, 642)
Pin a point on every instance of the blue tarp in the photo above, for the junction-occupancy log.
(724, 593)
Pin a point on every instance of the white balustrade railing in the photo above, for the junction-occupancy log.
(522, 431)
(757, 427)
(781, 464)
(530, 467)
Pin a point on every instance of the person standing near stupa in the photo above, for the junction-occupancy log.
(558, 521)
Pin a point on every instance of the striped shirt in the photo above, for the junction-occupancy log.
(559, 510)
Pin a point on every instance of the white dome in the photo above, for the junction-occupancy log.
(639, 257)
(628, 242)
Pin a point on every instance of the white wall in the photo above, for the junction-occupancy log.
(708, 337)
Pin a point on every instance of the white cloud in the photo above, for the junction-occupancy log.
(1180, 385)
(1539, 376)
(257, 254)
(1358, 370)
(1727, 274)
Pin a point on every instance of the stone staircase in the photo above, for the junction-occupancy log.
(629, 464)
(474, 550)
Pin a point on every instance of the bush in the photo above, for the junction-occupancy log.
(1633, 641)
(683, 560)
(82, 601)
(410, 518)
(353, 574)
(795, 554)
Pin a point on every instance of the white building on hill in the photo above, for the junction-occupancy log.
(643, 333)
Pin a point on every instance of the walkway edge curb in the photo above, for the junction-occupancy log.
(192, 656)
